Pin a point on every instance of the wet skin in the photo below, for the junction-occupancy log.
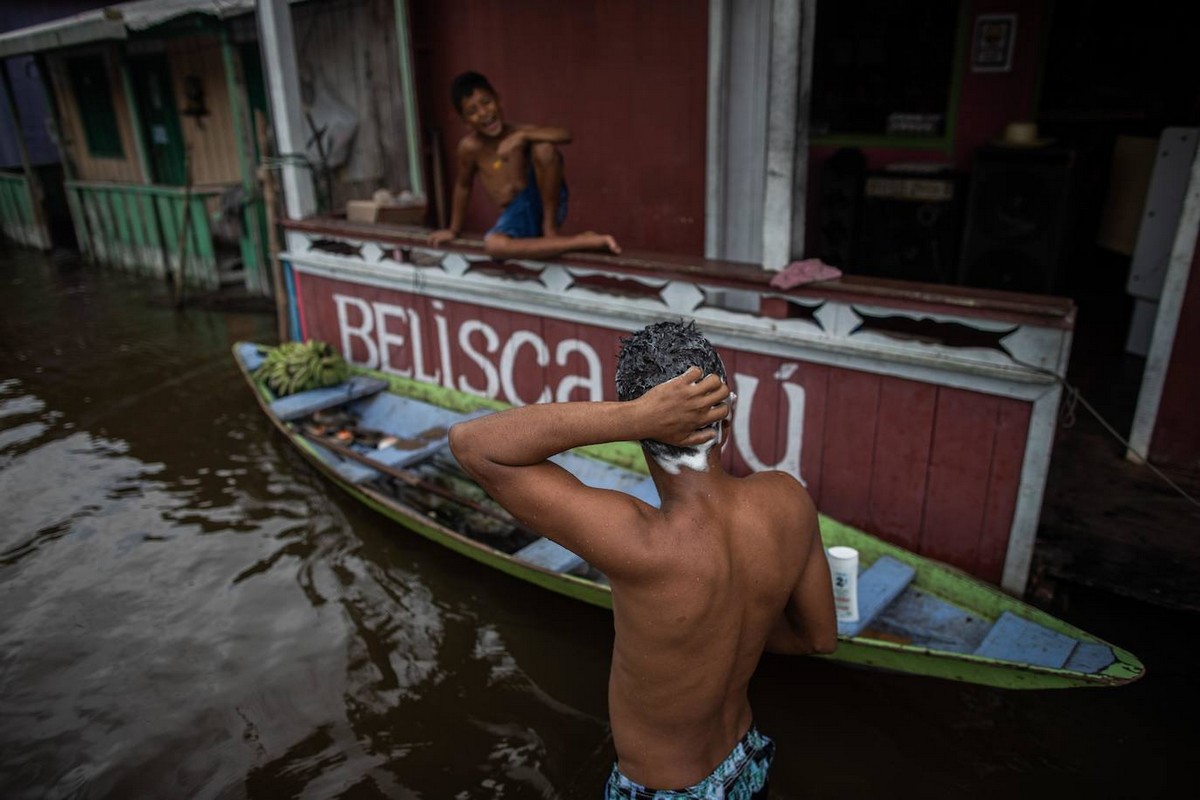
(499, 153)
(725, 568)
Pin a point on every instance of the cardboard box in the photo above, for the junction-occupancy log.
(400, 215)
(361, 210)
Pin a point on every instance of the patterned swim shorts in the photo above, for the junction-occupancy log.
(741, 776)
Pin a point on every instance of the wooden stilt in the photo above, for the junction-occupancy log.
(267, 183)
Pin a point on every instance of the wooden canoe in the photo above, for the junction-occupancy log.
(383, 439)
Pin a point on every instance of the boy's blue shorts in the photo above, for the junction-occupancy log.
(522, 218)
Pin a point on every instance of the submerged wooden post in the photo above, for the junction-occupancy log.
(267, 182)
(239, 107)
(183, 227)
(34, 187)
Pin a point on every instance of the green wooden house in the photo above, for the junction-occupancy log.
(154, 106)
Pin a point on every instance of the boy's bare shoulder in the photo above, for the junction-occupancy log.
(471, 144)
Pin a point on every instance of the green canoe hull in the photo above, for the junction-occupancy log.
(946, 582)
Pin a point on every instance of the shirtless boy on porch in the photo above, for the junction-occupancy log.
(725, 568)
(521, 170)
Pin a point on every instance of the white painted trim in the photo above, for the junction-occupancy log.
(412, 128)
(1027, 514)
(743, 331)
(808, 33)
(278, 44)
(1162, 341)
(781, 133)
(714, 172)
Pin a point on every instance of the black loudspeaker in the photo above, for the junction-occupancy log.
(1019, 215)
(911, 225)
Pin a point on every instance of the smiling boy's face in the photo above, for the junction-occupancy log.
(481, 110)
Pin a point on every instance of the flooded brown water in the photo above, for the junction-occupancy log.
(188, 610)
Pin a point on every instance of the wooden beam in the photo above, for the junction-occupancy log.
(34, 186)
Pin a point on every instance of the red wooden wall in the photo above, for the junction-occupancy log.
(931, 468)
(628, 78)
(1176, 438)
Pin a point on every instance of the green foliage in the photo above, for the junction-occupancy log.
(299, 366)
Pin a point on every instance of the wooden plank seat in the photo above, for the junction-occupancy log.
(302, 404)
(1014, 638)
(878, 586)
(1090, 657)
(408, 416)
(933, 622)
(551, 555)
(400, 458)
(924, 619)
(250, 355)
(349, 469)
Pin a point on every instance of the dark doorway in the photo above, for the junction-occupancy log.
(1108, 80)
(161, 132)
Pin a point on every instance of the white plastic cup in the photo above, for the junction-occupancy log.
(843, 569)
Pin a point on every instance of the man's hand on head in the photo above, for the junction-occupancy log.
(680, 411)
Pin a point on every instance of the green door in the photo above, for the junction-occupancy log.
(155, 97)
(256, 89)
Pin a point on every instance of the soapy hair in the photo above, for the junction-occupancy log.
(656, 354)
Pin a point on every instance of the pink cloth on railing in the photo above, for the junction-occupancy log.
(799, 273)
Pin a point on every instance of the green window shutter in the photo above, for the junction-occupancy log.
(93, 97)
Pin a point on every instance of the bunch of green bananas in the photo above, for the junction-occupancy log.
(299, 366)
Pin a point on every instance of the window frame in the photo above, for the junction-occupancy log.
(962, 41)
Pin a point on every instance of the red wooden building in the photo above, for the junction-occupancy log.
(917, 396)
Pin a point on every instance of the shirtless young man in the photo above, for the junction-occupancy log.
(725, 568)
(521, 170)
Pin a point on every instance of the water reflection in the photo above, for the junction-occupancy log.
(190, 610)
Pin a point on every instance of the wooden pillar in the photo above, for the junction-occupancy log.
(782, 102)
(278, 44)
(1166, 323)
(31, 180)
(791, 41)
(256, 275)
(412, 126)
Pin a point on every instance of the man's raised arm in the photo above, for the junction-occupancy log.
(808, 623)
(675, 412)
(507, 453)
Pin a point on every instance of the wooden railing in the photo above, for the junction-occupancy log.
(138, 227)
(17, 218)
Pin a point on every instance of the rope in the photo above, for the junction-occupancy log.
(1067, 417)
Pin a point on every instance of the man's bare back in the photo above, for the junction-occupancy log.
(690, 630)
(725, 568)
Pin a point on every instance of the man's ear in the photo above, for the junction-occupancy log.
(727, 423)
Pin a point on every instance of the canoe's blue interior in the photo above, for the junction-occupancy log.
(888, 602)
